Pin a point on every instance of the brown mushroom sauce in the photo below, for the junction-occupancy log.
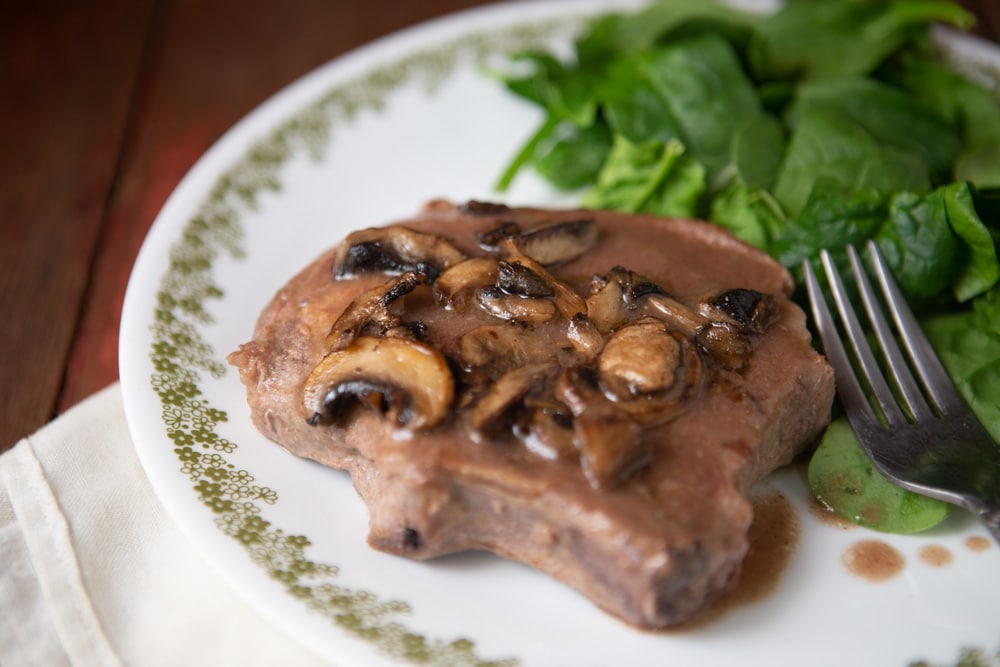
(570, 372)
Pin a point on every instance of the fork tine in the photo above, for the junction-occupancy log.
(852, 395)
(908, 387)
(935, 379)
(862, 350)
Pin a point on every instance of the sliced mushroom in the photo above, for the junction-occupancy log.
(726, 343)
(548, 433)
(737, 319)
(395, 249)
(746, 309)
(650, 371)
(678, 315)
(558, 242)
(516, 278)
(634, 285)
(483, 208)
(406, 381)
(456, 288)
(727, 324)
(585, 337)
(606, 307)
(507, 393)
(609, 441)
(502, 347)
(615, 295)
(516, 308)
(565, 297)
(491, 238)
(376, 312)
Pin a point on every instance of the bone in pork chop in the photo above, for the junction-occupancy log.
(591, 393)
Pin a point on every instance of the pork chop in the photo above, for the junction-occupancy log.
(588, 392)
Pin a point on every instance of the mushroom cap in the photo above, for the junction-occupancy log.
(651, 371)
(456, 287)
(408, 381)
(559, 242)
(395, 249)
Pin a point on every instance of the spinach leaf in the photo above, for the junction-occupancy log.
(701, 82)
(816, 40)
(673, 19)
(980, 266)
(833, 217)
(842, 477)
(934, 242)
(563, 91)
(650, 177)
(633, 107)
(891, 116)
(971, 108)
(751, 214)
(919, 245)
(757, 149)
(574, 158)
(827, 146)
(968, 343)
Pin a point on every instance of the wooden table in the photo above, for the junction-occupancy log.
(103, 107)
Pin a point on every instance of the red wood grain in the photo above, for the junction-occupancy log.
(67, 72)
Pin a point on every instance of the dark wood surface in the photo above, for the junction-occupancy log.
(103, 107)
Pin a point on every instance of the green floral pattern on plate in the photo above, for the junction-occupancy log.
(181, 358)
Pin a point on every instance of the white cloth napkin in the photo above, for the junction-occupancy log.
(92, 570)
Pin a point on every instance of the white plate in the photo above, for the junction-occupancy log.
(362, 141)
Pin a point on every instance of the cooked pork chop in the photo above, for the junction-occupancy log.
(591, 393)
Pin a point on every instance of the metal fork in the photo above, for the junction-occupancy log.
(918, 431)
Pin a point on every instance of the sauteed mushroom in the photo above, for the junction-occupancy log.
(394, 250)
(738, 317)
(609, 441)
(516, 278)
(565, 297)
(549, 431)
(558, 242)
(516, 308)
(584, 335)
(747, 309)
(484, 208)
(456, 288)
(408, 382)
(376, 312)
(490, 239)
(617, 294)
(550, 244)
(726, 324)
(508, 392)
(650, 372)
(502, 347)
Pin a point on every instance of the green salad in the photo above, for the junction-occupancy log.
(816, 126)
